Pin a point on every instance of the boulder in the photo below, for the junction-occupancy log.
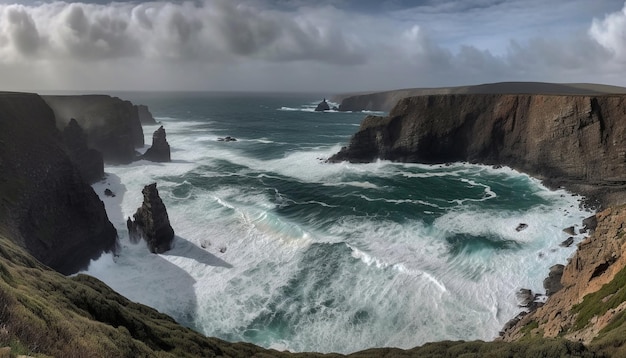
(567, 242)
(521, 227)
(151, 222)
(160, 149)
(322, 106)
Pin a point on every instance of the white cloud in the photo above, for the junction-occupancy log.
(220, 44)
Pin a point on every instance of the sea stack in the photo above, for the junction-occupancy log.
(322, 106)
(160, 149)
(151, 222)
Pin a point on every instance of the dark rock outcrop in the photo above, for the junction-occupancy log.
(89, 161)
(322, 106)
(45, 204)
(574, 141)
(112, 125)
(160, 149)
(151, 222)
(552, 283)
(145, 116)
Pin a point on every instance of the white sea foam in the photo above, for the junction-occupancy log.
(234, 253)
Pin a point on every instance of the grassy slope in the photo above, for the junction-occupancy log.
(43, 313)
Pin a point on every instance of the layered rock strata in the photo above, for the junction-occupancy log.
(151, 222)
(112, 125)
(45, 204)
(160, 149)
(574, 141)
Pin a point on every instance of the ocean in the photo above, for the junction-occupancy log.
(278, 248)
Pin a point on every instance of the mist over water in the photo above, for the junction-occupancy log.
(277, 248)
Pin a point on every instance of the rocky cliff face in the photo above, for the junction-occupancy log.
(592, 300)
(45, 204)
(112, 125)
(160, 149)
(89, 161)
(573, 141)
(151, 222)
(145, 116)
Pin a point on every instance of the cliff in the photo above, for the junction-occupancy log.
(45, 204)
(89, 161)
(145, 116)
(385, 100)
(574, 141)
(591, 306)
(112, 125)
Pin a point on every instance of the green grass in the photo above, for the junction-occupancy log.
(593, 305)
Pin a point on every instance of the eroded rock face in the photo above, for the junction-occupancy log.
(596, 262)
(160, 149)
(145, 116)
(565, 140)
(45, 204)
(89, 161)
(112, 125)
(151, 222)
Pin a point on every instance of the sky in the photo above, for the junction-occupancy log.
(328, 46)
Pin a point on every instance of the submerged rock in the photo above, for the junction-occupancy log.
(521, 227)
(151, 222)
(160, 149)
(227, 139)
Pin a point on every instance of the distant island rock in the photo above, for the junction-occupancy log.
(322, 106)
(160, 149)
(151, 222)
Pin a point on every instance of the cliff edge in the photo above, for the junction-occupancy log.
(575, 141)
(45, 204)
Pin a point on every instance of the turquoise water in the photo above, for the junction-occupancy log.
(278, 248)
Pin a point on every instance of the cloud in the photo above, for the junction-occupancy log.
(285, 45)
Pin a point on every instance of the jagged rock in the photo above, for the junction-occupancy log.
(525, 297)
(89, 161)
(151, 222)
(521, 227)
(568, 242)
(570, 230)
(145, 117)
(111, 124)
(45, 204)
(552, 283)
(160, 149)
(108, 192)
(589, 224)
(322, 106)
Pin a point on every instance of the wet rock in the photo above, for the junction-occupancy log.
(552, 283)
(570, 230)
(227, 139)
(589, 224)
(322, 106)
(160, 149)
(521, 227)
(567, 242)
(151, 222)
(108, 192)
